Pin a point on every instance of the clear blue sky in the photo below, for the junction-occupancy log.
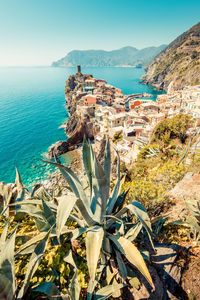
(37, 32)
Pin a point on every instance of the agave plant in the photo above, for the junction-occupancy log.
(193, 220)
(106, 224)
(103, 217)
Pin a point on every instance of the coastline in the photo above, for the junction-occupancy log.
(40, 126)
(81, 118)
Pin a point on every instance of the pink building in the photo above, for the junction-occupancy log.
(90, 100)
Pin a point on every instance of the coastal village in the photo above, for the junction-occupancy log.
(129, 119)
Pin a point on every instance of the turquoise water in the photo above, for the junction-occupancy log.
(32, 108)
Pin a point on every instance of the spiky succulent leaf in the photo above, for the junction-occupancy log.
(33, 264)
(140, 212)
(87, 161)
(92, 283)
(107, 291)
(32, 241)
(133, 255)
(3, 235)
(138, 209)
(121, 265)
(82, 202)
(133, 232)
(194, 207)
(48, 288)
(18, 179)
(7, 267)
(120, 199)
(94, 239)
(74, 287)
(48, 214)
(115, 194)
(107, 165)
(99, 187)
(65, 207)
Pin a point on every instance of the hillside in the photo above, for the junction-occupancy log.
(128, 56)
(178, 62)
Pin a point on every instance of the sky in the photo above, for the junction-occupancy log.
(38, 32)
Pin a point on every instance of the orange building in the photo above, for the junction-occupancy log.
(134, 104)
(90, 100)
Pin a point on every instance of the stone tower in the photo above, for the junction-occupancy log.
(78, 69)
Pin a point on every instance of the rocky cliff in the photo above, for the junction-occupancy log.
(179, 62)
(76, 126)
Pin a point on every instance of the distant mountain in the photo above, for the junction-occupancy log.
(178, 63)
(127, 56)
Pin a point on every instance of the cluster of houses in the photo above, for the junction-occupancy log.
(185, 101)
(133, 120)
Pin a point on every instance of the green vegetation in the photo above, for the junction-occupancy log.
(96, 241)
(45, 243)
(192, 221)
(157, 169)
(172, 128)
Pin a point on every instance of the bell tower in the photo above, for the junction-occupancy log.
(78, 69)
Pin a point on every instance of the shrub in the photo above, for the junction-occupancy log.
(172, 128)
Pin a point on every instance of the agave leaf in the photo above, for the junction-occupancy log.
(94, 239)
(106, 247)
(49, 215)
(31, 242)
(7, 268)
(3, 235)
(193, 223)
(138, 209)
(82, 201)
(107, 165)
(31, 210)
(18, 180)
(48, 288)
(99, 187)
(35, 188)
(121, 265)
(27, 202)
(69, 259)
(133, 255)
(74, 287)
(87, 161)
(133, 232)
(65, 207)
(193, 206)
(120, 199)
(115, 194)
(80, 222)
(7, 194)
(42, 225)
(107, 291)
(28, 250)
(92, 283)
(33, 264)
(78, 232)
(32, 202)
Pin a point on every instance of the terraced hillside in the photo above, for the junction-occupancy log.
(178, 62)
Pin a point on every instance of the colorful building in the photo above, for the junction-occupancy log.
(90, 100)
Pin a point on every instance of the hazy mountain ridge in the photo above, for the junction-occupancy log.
(129, 56)
(178, 62)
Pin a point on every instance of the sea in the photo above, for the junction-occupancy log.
(32, 108)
